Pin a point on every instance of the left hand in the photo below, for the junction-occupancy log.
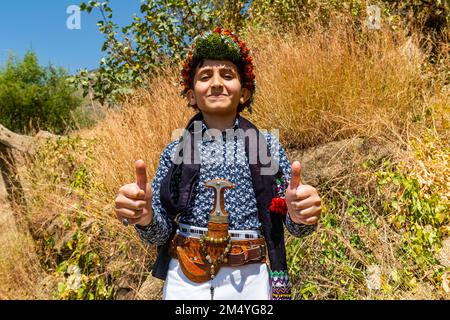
(303, 201)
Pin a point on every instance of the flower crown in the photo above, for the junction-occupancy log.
(220, 44)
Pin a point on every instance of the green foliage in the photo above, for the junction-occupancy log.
(419, 212)
(157, 36)
(406, 211)
(72, 245)
(80, 271)
(432, 18)
(431, 15)
(215, 45)
(62, 166)
(290, 13)
(358, 209)
(308, 290)
(336, 252)
(33, 97)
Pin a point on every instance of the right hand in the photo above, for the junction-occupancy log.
(303, 201)
(134, 200)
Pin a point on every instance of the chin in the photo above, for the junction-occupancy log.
(218, 108)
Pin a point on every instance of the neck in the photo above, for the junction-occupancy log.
(220, 122)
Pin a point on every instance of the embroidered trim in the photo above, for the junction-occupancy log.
(281, 289)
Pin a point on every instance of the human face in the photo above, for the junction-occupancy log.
(217, 88)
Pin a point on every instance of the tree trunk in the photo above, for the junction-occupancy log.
(14, 148)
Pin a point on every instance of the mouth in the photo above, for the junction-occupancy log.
(217, 95)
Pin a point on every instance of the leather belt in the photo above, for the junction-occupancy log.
(242, 251)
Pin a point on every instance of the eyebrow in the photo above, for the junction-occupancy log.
(221, 68)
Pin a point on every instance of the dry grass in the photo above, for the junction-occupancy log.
(319, 86)
(138, 131)
(327, 85)
(20, 270)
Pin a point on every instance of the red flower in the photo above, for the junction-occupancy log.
(248, 69)
(278, 205)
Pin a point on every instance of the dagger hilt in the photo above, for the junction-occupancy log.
(218, 213)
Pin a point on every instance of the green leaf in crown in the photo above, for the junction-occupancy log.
(218, 47)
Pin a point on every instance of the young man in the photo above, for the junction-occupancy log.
(215, 219)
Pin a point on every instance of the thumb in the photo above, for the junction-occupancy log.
(296, 173)
(148, 192)
(141, 174)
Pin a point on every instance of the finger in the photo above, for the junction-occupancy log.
(304, 191)
(124, 202)
(306, 203)
(311, 220)
(141, 174)
(296, 171)
(127, 213)
(309, 212)
(148, 192)
(132, 191)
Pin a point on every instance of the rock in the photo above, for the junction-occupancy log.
(124, 294)
(151, 289)
(42, 134)
(10, 139)
(444, 253)
(331, 161)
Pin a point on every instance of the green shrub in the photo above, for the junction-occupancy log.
(34, 97)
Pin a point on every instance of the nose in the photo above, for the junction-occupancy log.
(216, 81)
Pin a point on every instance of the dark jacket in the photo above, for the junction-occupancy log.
(263, 185)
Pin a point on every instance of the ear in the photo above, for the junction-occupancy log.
(191, 98)
(245, 95)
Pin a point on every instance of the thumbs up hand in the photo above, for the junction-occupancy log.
(134, 200)
(303, 201)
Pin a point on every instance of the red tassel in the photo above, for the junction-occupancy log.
(278, 205)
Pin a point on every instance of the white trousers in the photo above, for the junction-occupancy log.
(247, 282)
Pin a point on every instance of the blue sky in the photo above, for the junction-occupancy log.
(40, 25)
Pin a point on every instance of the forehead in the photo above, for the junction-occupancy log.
(217, 64)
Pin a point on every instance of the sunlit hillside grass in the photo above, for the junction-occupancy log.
(314, 86)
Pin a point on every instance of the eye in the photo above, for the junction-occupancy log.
(228, 76)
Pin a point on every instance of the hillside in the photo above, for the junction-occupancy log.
(366, 114)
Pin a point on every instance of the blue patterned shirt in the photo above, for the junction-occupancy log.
(226, 160)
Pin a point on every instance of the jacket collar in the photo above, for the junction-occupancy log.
(204, 128)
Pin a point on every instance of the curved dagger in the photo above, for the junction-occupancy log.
(200, 272)
(218, 213)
